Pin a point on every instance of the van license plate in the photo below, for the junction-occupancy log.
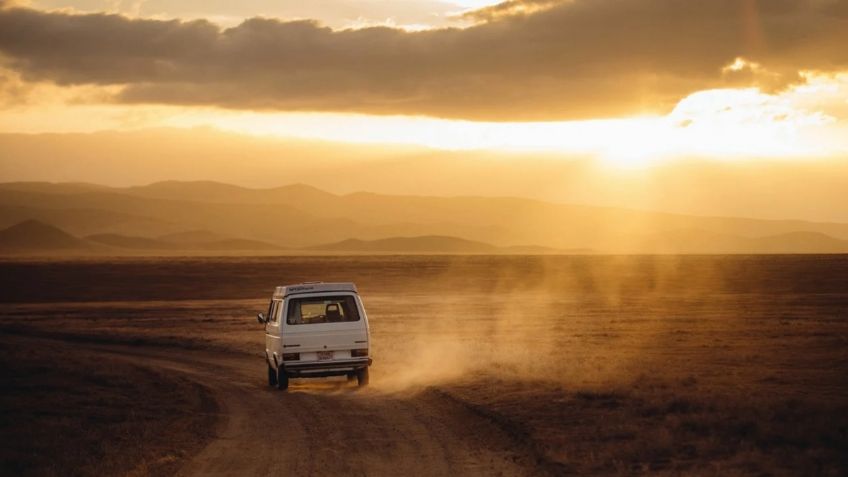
(325, 355)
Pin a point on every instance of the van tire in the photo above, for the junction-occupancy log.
(362, 377)
(282, 380)
(272, 376)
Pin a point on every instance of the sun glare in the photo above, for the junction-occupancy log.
(723, 124)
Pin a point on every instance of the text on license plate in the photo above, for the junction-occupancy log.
(325, 355)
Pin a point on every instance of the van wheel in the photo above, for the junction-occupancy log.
(362, 377)
(282, 379)
(272, 376)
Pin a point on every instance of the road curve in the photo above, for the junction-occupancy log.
(331, 427)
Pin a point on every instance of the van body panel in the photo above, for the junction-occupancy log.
(272, 329)
(319, 348)
(323, 340)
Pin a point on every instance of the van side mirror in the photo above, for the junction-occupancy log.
(261, 319)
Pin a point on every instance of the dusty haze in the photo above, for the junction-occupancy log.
(807, 189)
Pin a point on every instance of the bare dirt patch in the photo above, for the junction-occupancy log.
(70, 411)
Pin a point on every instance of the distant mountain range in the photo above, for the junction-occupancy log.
(209, 217)
(428, 244)
(164, 243)
(34, 237)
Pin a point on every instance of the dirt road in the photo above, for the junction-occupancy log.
(331, 427)
(621, 365)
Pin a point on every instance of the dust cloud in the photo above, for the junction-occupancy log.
(573, 321)
(764, 322)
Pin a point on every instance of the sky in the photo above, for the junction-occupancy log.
(631, 83)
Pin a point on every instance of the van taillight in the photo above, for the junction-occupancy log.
(358, 353)
(291, 356)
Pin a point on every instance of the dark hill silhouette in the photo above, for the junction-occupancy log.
(35, 236)
(130, 242)
(434, 244)
(427, 244)
(151, 244)
(235, 244)
(87, 221)
(192, 236)
(498, 220)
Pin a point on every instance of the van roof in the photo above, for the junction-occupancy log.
(314, 287)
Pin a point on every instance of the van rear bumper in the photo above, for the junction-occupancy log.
(325, 368)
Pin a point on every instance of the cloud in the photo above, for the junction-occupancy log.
(509, 8)
(335, 13)
(570, 60)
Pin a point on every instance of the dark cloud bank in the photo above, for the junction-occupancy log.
(575, 59)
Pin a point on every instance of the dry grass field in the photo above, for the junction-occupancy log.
(66, 411)
(610, 365)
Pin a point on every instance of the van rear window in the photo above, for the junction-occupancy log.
(323, 309)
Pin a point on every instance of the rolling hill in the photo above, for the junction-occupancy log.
(427, 244)
(299, 216)
(222, 244)
(32, 237)
(35, 236)
(192, 236)
(130, 242)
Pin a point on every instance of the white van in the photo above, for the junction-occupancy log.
(314, 330)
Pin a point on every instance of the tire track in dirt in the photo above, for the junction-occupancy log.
(331, 427)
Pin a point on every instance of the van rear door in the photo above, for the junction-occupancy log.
(324, 327)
